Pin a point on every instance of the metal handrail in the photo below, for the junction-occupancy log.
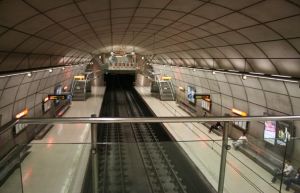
(73, 120)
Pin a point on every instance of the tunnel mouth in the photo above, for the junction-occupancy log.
(125, 79)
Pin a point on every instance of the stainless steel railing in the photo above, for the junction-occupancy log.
(72, 120)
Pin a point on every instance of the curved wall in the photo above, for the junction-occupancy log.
(18, 92)
(253, 95)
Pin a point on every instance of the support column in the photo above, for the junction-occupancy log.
(225, 148)
(94, 155)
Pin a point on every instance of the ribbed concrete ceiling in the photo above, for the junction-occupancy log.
(41, 33)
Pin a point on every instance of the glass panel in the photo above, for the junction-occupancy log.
(54, 167)
(250, 167)
(10, 155)
(292, 182)
(61, 160)
(149, 167)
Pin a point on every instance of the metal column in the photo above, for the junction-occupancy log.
(225, 148)
(94, 155)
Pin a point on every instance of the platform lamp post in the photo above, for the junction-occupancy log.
(94, 155)
(225, 148)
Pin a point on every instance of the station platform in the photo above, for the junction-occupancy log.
(57, 163)
(204, 149)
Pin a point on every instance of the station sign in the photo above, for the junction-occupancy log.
(202, 96)
(166, 78)
(79, 77)
(58, 97)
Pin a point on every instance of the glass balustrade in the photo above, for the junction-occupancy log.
(131, 159)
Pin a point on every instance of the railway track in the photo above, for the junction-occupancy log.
(133, 157)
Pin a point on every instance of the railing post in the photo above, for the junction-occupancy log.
(225, 148)
(94, 155)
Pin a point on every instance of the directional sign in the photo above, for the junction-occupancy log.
(58, 97)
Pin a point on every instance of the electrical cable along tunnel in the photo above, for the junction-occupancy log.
(140, 157)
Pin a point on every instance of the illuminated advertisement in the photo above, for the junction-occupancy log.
(57, 91)
(283, 133)
(191, 91)
(270, 132)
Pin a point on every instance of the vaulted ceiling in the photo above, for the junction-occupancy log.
(249, 35)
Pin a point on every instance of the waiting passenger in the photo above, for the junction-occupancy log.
(295, 180)
(288, 169)
(241, 141)
(216, 126)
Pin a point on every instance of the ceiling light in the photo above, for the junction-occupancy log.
(194, 70)
(63, 68)
(132, 53)
(244, 77)
(50, 70)
(143, 57)
(29, 74)
(281, 76)
(112, 53)
(213, 72)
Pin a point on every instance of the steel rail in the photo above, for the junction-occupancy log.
(74, 120)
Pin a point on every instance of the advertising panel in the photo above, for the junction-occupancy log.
(270, 132)
(284, 133)
(191, 91)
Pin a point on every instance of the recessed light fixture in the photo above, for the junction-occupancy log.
(244, 77)
(29, 74)
(143, 57)
(63, 68)
(213, 72)
(50, 70)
